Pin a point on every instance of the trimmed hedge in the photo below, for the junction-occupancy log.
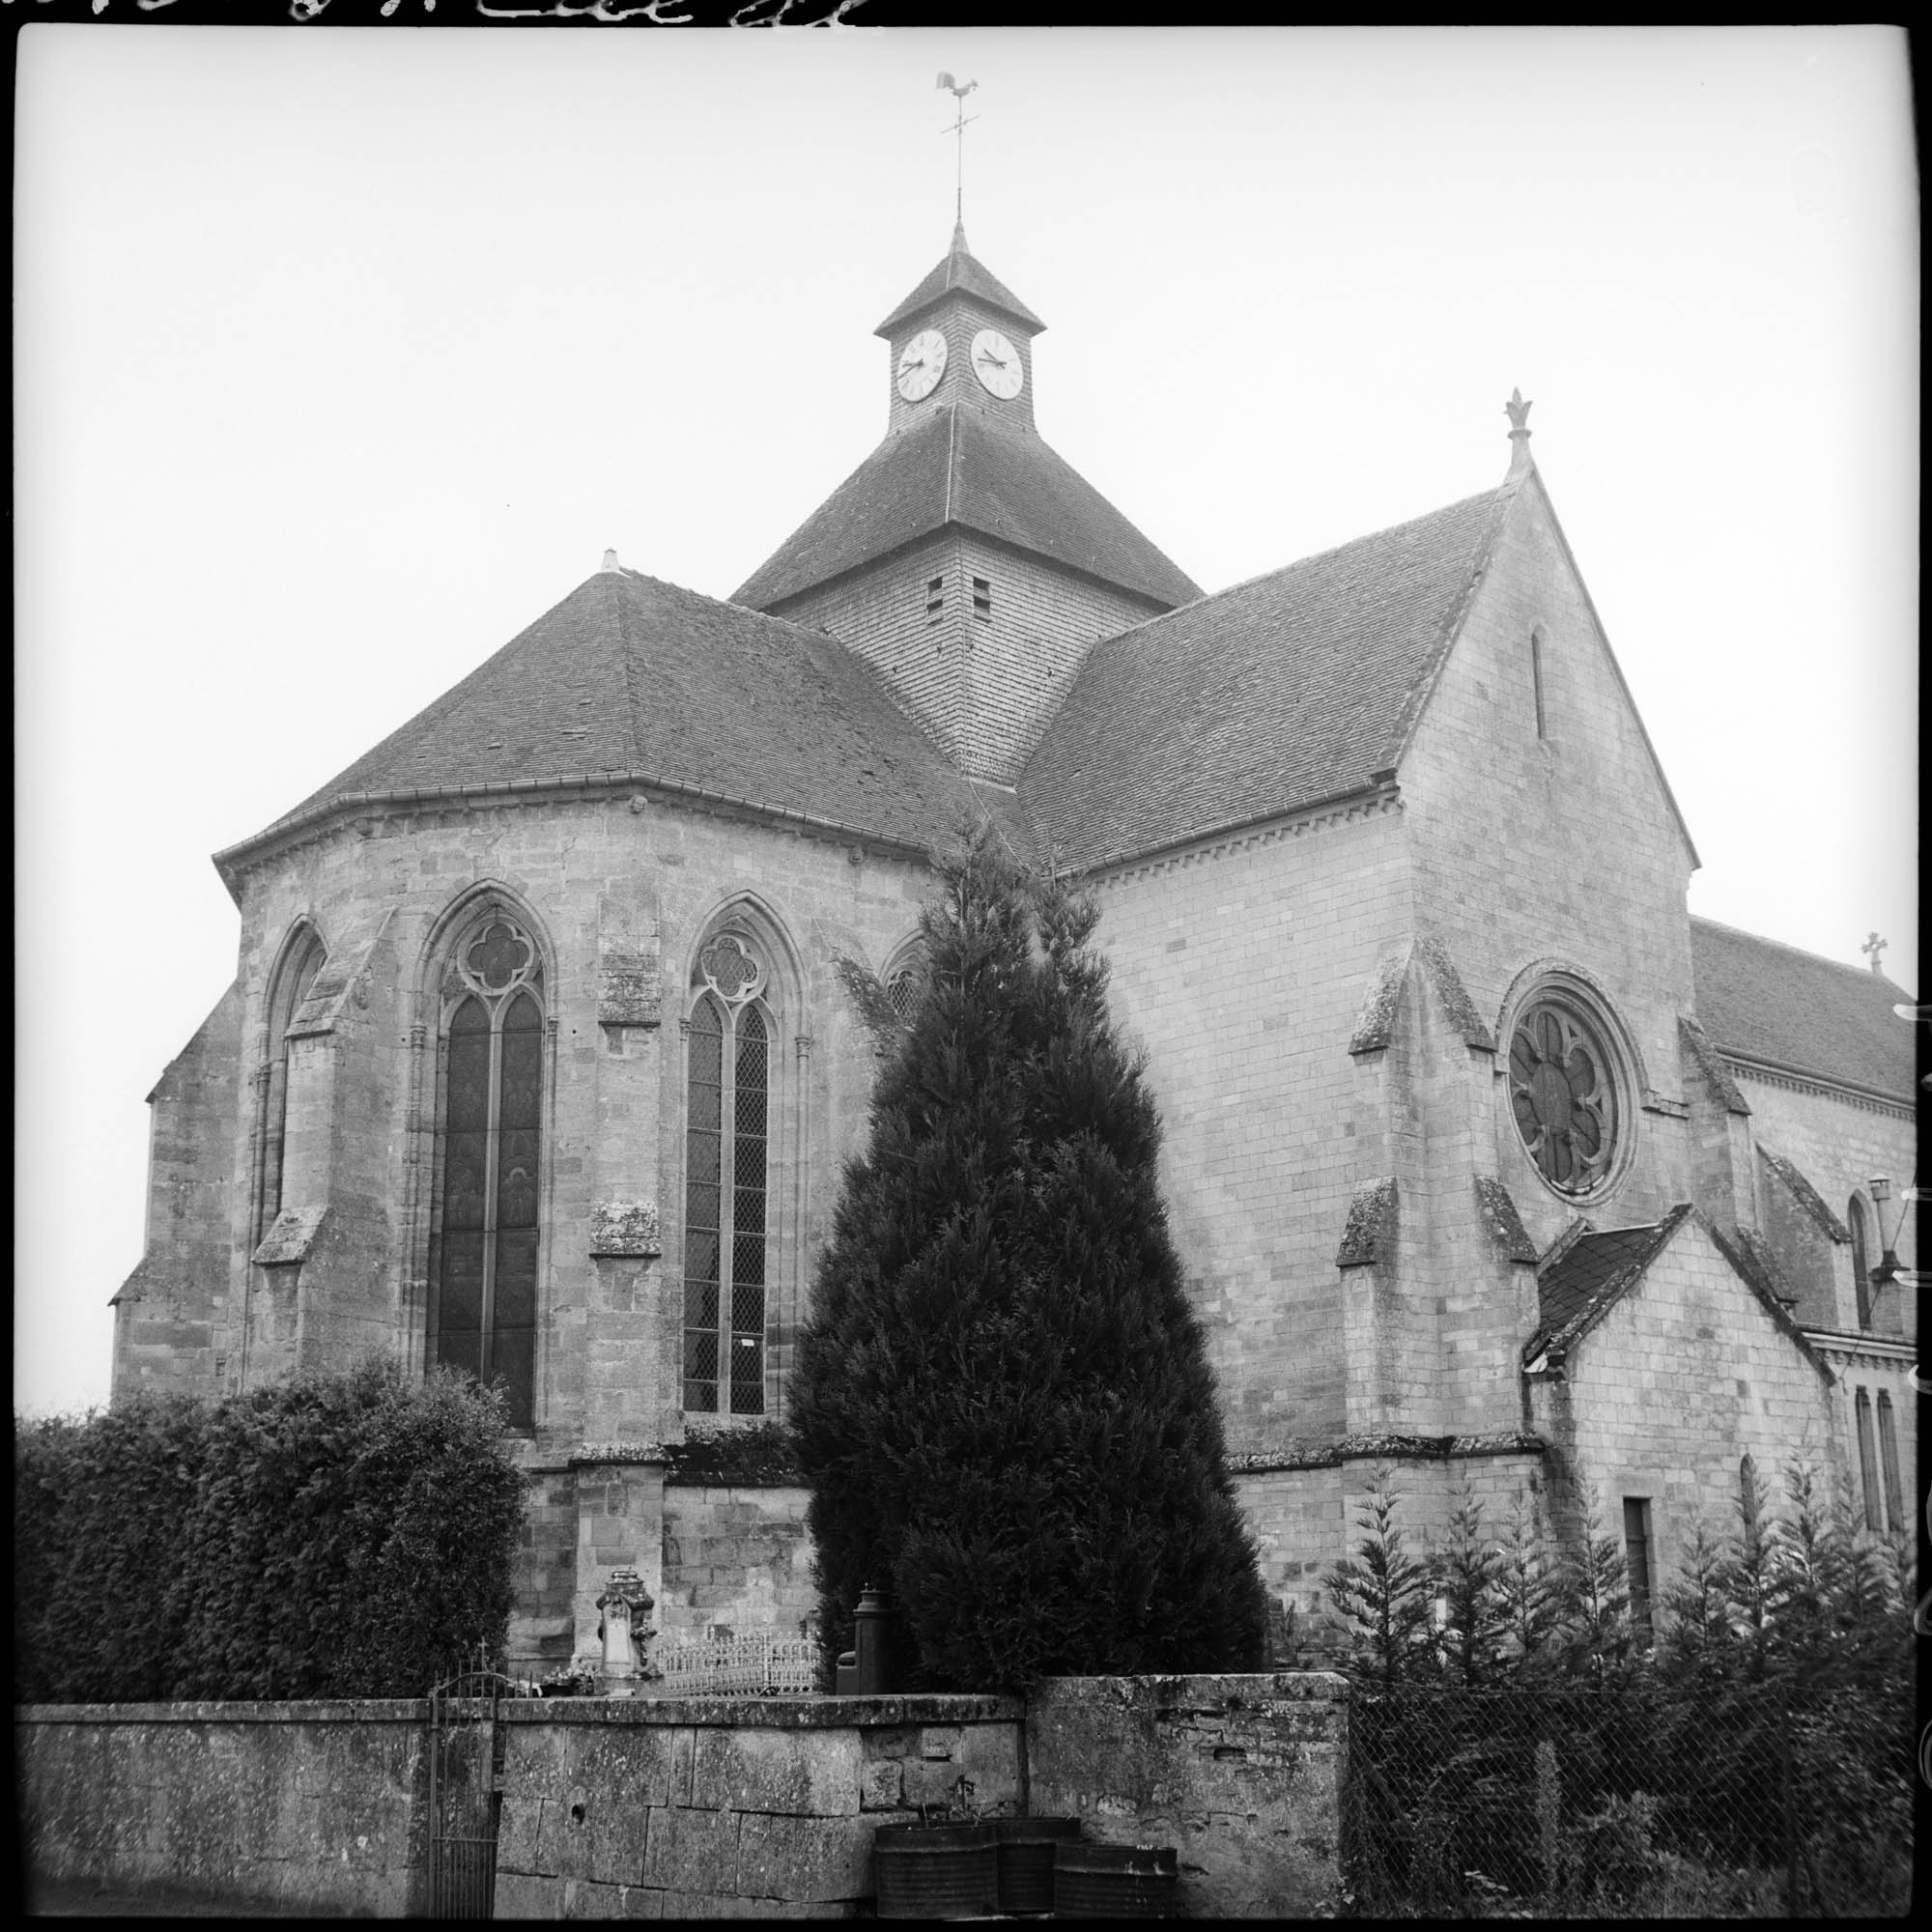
(329, 1536)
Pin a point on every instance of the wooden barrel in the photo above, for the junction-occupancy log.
(1026, 1848)
(935, 1871)
(1113, 1881)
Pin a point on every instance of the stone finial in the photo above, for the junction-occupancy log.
(1518, 411)
(1874, 946)
(611, 561)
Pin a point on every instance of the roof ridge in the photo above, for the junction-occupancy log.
(1317, 556)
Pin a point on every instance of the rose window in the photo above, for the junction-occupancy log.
(1564, 1097)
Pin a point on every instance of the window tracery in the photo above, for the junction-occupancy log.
(727, 1210)
(301, 960)
(485, 1223)
(1564, 1093)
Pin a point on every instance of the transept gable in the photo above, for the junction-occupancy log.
(1549, 670)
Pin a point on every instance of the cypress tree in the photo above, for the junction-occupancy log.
(1001, 1398)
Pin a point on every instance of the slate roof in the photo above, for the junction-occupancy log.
(959, 270)
(1764, 1000)
(1280, 692)
(1580, 1286)
(629, 676)
(957, 466)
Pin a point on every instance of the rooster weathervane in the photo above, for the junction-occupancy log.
(959, 131)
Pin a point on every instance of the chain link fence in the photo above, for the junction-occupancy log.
(1734, 1802)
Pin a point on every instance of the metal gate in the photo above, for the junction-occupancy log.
(466, 1782)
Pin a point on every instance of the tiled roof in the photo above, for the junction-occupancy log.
(635, 677)
(959, 270)
(956, 465)
(1761, 1000)
(1283, 690)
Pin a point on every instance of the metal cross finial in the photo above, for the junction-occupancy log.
(1874, 944)
(959, 131)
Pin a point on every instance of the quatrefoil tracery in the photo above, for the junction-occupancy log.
(494, 961)
(731, 969)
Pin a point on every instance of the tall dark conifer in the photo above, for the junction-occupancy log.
(1001, 1398)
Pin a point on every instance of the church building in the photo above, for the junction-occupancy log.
(1484, 1158)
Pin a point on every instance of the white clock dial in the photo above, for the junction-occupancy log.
(997, 364)
(922, 363)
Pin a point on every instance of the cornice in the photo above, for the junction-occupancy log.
(352, 808)
(1300, 1453)
(1244, 836)
(1834, 1341)
(1799, 1081)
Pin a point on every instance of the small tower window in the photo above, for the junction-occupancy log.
(982, 600)
(1536, 640)
(935, 599)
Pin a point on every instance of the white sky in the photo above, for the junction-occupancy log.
(342, 356)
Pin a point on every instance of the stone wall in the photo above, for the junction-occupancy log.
(738, 1808)
(1241, 1775)
(294, 1806)
(724, 1807)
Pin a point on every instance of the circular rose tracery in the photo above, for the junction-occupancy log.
(1564, 1097)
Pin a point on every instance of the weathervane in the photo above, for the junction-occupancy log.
(959, 131)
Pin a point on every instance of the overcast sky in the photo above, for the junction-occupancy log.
(342, 356)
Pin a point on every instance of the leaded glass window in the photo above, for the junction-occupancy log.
(302, 961)
(726, 1200)
(1563, 1095)
(483, 1242)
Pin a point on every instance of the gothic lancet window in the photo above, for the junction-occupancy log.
(483, 1240)
(1887, 1455)
(1855, 1216)
(726, 1197)
(301, 960)
(1563, 1093)
(1867, 1462)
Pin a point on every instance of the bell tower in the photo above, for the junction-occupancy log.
(969, 564)
(961, 337)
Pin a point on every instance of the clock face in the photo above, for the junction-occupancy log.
(922, 363)
(997, 364)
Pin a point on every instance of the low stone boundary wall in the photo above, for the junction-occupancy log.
(316, 1805)
(758, 1807)
(690, 1806)
(1242, 1774)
